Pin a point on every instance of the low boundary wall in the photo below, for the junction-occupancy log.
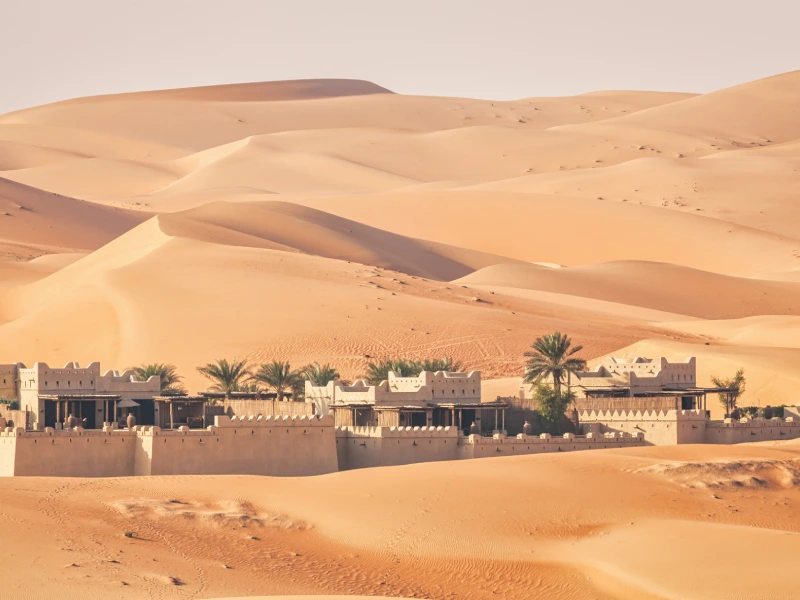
(668, 428)
(280, 446)
(731, 431)
(362, 447)
(476, 446)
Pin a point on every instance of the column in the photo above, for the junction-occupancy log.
(58, 411)
(171, 417)
(503, 412)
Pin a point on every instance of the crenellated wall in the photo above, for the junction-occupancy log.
(283, 446)
(476, 446)
(81, 453)
(280, 446)
(362, 447)
(730, 431)
(660, 428)
(668, 428)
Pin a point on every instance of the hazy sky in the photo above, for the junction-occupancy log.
(58, 49)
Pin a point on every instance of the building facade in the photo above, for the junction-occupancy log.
(440, 399)
(49, 395)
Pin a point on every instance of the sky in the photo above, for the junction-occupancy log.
(499, 49)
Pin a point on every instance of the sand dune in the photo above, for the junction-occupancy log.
(435, 530)
(328, 220)
(751, 188)
(334, 220)
(33, 222)
(753, 113)
(287, 226)
(668, 288)
(288, 304)
(567, 230)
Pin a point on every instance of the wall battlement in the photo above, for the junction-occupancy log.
(665, 428)
(395, 432)
(282, 446)
(642, 415)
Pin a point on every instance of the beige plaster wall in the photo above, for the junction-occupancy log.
(756, 430)
(74, 454)
(660, 428)
(476, 446)
(363, 447)
(284, 446)
(8, 451)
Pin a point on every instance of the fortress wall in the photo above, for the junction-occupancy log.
(755, 430)
(363, 447)
(282, 446)
(87, 453)
(476, 446)
(660, 428)
(8, 451)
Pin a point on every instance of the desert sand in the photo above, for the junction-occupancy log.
(653, 523)
(335, 220)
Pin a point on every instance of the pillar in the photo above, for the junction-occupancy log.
(171, 417)
(503, 412)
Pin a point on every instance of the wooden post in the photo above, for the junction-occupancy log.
(58, 411)
(503, 412)
(171, 417)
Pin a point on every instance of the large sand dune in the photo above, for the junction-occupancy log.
(336, 220)
(652, 523)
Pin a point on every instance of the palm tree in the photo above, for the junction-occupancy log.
(552, 357)
(442, 364)
(280, 377)
(227, 376)
(379, 371)
(735, 387)
(168, 374)
(320, 375)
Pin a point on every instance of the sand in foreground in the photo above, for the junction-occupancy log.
(650, 523)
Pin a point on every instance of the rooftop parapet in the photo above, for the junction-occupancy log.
(397, 432)
(773, 422)
(223, 421)
(546, 439)
(643, 415)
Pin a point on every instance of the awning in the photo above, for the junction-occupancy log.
(127, 404)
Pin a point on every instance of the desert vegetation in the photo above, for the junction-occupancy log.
(167, 373)
(735, 387)
(549, 365)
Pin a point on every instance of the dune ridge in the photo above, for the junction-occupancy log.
(341, 221)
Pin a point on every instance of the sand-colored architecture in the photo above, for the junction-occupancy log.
(49, 395)
(429, 399)
(426, 418)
